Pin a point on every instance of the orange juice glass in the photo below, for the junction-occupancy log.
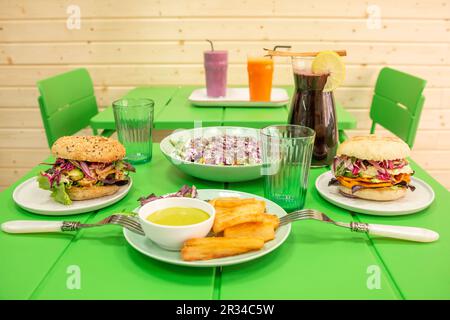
(260, 74)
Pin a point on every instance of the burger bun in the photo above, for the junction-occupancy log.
(88, 148)
(86, 193)
(376, 194)
(373, 147)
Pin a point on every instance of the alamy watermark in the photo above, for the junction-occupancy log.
(73, 21)
(374, 277)
(73, 281)
(373, 21)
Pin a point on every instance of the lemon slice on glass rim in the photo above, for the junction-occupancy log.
(329, 62)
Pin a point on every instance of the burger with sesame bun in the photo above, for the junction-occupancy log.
(372, 167)
(86, 167)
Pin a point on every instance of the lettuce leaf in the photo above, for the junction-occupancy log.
(349, 175)
(43, 182)
(60, 195)
(340, 169)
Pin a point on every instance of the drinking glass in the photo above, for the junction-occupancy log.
(216, 64)
(260, 74)
(286, 155)
(134, 122)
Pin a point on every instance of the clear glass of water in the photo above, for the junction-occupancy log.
(134, 122)
(286, 154)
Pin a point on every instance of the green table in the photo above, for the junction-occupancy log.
(173, 111)
(318, 261)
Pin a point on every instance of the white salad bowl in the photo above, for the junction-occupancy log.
(221, 173)
(173, 237)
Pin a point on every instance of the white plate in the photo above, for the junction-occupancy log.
(30, 197)
(238, 97)
(412, 202)
(148, 248)
(212, 172)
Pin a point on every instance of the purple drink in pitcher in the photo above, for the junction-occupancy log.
(314, 108)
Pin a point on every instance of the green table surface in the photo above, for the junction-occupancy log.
(173, 111)
(317, 261)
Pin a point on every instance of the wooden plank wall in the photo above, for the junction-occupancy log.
(143, 42)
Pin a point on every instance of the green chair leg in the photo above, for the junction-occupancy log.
(342, 136)
(107, 133)
(372, 128)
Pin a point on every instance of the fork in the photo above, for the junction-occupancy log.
(32, 226)
(397, 232)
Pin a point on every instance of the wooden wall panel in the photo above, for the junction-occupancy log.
(44, 9)
(187, 52)
(138, 74)
(243, 29)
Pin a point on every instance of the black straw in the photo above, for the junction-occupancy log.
(212, 46)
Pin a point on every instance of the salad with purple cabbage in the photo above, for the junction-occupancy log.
(224, 150)
(185, 191)
(65, 174)
(378, 171)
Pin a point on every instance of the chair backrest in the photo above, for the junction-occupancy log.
(67, 103)
(397, 103)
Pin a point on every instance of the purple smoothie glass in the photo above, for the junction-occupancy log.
(216, 64)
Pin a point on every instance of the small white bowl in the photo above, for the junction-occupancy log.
(173, 237)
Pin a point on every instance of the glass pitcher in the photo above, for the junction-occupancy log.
(314, 108)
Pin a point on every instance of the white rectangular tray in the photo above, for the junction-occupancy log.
(238, 97)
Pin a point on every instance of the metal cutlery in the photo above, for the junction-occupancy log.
(132, 224)
(389, 231)
(32, 226)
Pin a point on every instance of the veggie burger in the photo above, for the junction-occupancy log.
(373, 168)
(86, 167)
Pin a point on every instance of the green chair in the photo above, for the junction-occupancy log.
(397, 103)
(67, 103)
